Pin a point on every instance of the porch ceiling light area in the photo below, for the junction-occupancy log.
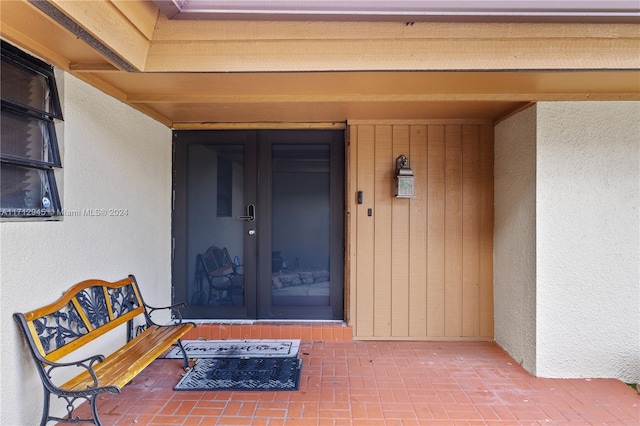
(403, 10)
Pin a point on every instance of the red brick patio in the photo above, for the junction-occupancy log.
(382, 383)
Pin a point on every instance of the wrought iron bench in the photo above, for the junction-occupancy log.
(225, 282)
(85, 312)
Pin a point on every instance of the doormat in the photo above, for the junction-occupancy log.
(238, 374)
(236, 348)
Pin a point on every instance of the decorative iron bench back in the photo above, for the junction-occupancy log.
(216, 261)
(87, 310)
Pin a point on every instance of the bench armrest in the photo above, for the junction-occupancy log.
(230, 276)
(175, 310)
(87, 364)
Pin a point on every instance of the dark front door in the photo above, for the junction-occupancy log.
(258, 224)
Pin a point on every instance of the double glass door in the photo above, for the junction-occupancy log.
(258, 224)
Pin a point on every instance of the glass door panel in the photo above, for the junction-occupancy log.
(300, 271)
(215, 199)
(300, 217)
(214, 259)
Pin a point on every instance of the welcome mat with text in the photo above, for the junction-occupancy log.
(236, 348)
(237, 374)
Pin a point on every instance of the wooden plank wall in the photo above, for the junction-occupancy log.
(421, 268)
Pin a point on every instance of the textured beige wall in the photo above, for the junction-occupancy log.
(113, 158)
(567, 239)
(588, 239)
(515, 237)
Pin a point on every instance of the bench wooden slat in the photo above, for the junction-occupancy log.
(122, 366)
(71, 293)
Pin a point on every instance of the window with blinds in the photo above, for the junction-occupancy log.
(28, 145)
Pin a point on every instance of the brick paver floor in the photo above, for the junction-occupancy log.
(386, 383)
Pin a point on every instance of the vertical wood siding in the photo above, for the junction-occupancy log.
(421, 268)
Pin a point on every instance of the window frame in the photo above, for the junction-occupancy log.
(45, 118)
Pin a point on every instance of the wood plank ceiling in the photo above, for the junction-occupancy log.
(200, 74)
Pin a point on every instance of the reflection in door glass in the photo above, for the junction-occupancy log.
(215, 244)
(300, 225)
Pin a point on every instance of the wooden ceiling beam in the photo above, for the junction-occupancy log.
(202, 86)
(122, 29)
(102, 25)
(142, 14)
(340, 125)
(408, 55)
(374, 98)
(91, 67)
(182, 31)
(266, 46)
(9, 33)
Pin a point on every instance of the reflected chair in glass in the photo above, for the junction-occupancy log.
(224, 281)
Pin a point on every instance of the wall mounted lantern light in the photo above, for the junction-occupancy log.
(404, 178)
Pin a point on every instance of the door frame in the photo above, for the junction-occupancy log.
(259, 140)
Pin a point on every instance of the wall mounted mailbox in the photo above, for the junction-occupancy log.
(404, 178)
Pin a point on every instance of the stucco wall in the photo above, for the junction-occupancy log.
(113, 158)
(567, 239)
(588, 240)
(515, 237)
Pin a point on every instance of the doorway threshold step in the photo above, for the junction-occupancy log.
(312, 331)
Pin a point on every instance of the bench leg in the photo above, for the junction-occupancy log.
(69, 417)
(184, 355)
(94, 410)
(45, 408)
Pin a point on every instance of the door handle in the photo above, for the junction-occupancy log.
(251, 213)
